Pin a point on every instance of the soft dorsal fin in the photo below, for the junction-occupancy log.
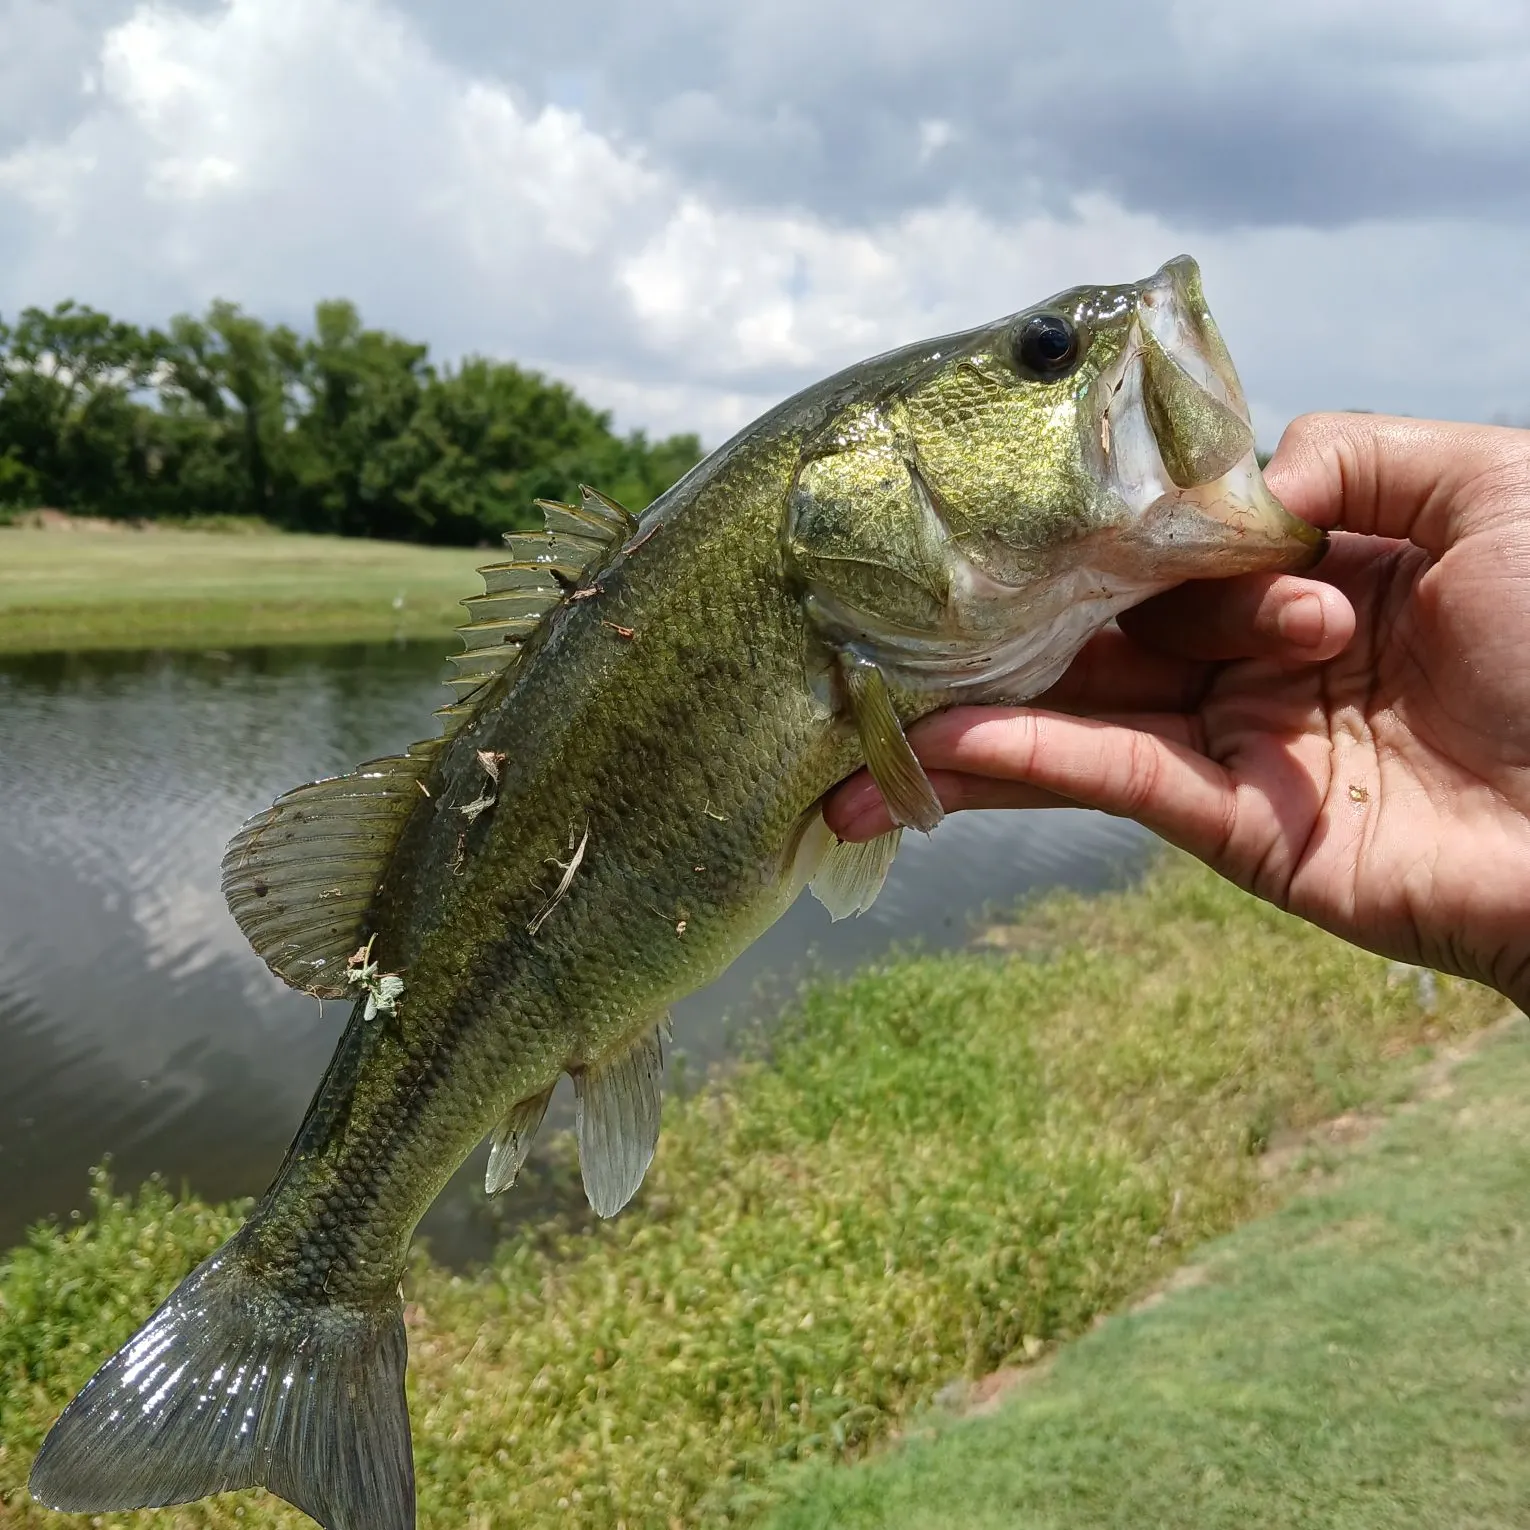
(617, 1104)
(543, 570)
(301, 876)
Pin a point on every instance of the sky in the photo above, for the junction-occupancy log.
(689, 209)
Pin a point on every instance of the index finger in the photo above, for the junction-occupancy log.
(1428, 481)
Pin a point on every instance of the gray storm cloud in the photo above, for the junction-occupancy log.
(1199, 109)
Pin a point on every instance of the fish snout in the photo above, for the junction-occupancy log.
(1205, 510)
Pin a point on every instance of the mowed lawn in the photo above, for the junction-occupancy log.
(1358, 1361)
(79, 590)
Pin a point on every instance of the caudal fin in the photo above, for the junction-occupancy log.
(230, 1385)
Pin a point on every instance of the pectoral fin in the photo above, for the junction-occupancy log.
(910, 798)
(616, 1121)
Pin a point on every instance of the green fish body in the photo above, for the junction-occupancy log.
(627, 794)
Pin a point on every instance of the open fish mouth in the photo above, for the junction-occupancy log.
(1179, 448)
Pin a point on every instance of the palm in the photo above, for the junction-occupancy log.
(1369, 792)
(1373, 776)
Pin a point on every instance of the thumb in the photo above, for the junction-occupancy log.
(1426, 481)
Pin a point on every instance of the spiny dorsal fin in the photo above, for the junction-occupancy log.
(300, 877)
(596, 516)
(616, 1120)
(543, 570)
(511, 1141)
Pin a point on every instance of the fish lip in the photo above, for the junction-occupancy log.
(1242, 502)
(1171, 305)
(1306, 554)
(1233, 525)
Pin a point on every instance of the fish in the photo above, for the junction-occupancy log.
(649, 711)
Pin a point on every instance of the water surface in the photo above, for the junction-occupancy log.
(136, 1022)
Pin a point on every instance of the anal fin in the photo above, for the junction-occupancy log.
(617, 1105)
(850, 876)
(511, 1141)
(911, 800)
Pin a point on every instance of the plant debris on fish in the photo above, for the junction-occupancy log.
(946, 523)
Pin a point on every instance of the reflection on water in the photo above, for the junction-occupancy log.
(135, 1021)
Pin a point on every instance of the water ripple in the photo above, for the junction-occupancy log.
(133, 1018)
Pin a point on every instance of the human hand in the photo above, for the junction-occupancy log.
(1353, 746)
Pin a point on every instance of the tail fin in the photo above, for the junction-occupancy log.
(230, 1385)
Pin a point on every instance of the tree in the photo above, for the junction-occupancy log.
(357, 393)
(347, 429)
(488, 440)
(73, 431)
(226, 386)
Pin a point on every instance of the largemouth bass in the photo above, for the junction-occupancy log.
(625, 795)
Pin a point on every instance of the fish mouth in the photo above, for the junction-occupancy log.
(1180, 446)
(1230, 525)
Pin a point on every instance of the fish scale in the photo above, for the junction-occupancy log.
(627, 793)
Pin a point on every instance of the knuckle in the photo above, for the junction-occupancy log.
(1304, 427)
(1143, 772)
(1029, 746)
(1224, 837)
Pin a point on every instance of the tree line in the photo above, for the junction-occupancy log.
(345, 429)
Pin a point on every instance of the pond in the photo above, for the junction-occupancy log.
(134, 1020)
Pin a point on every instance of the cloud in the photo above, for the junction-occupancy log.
(690, 211)
(1311, 111)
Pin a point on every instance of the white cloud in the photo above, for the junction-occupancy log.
(276, 151)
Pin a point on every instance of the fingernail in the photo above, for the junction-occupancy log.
(1300, 622)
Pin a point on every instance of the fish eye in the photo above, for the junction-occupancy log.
(1047, 346)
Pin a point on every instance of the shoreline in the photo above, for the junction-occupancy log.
(178, 590)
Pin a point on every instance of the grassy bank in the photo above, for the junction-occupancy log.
(1359, 1361)
(196, 589)
(951, 1163)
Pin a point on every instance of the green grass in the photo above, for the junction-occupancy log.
(948, 1163)
(86, 590)
(1359, 1361)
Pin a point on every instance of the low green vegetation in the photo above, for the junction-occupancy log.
(946, 1165)
(1359, 1361)
(344, 429)
(80, 590)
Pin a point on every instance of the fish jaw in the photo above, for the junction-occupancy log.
(1177, 452)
